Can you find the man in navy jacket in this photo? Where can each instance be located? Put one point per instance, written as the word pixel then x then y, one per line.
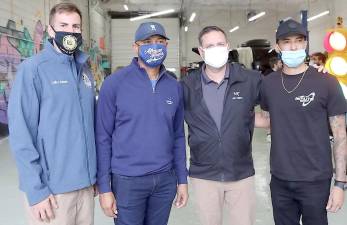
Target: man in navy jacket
pixel 140 136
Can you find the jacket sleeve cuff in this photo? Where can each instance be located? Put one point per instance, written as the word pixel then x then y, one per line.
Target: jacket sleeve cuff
pixel 104 187
pixel 38 196
pixel 182 178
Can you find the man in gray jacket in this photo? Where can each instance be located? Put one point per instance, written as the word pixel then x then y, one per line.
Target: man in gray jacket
pixel 219 103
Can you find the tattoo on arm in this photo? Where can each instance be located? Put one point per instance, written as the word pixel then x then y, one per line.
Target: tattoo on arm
pixel 338 127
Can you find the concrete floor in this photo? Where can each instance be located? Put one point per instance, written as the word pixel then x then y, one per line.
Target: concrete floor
pixel 12 212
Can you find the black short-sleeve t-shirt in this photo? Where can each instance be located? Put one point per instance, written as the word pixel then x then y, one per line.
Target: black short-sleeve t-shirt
pixel 300 146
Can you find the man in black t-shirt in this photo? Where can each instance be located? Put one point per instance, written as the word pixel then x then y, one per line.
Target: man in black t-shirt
pixel 298 99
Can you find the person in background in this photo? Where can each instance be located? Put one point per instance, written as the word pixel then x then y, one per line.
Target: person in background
pixel 318 59
pixel 275 64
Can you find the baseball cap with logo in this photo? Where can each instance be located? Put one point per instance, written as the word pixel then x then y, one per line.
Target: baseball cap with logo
pixel 288 28
pixel 148 29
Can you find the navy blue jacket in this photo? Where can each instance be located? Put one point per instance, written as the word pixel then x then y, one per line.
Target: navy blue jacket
pixel 139 129
pixel 225 154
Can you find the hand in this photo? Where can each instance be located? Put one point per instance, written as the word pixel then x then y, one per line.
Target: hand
pixel 182 195
pixel 43 211
pixel 336 199
pixel 108 204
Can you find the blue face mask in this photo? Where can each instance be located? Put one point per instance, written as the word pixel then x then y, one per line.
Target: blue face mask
pixel 293 58
pixel 153 55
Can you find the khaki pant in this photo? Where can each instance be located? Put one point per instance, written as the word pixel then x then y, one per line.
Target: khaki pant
pixel 74 208
pixel 236 198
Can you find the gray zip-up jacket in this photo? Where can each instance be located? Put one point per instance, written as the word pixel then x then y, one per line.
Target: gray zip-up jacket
pixel 224 155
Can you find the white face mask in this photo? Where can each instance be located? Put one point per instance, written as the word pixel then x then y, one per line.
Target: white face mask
pixel 216 57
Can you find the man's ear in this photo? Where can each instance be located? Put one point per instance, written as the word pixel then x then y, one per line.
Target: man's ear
pixel 50 31
pixel 201 52
pixel 277 48
pixel 136 48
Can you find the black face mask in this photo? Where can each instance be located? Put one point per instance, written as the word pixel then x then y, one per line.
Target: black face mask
pixel 67 42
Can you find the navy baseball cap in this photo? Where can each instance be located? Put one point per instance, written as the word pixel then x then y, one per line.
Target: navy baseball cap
pixel 148 29
pixel 290 27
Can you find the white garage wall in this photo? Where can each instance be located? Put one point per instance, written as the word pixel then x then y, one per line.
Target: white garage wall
pixel 123 32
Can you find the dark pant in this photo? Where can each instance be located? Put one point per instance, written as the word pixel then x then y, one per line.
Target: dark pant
pixel 144 200
pixel 292 200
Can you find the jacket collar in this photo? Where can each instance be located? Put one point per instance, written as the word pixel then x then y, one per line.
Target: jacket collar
pixel 142 71
pixel 236 74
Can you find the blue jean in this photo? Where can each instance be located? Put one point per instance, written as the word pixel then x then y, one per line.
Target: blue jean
pixel 144 200
pixel 292 200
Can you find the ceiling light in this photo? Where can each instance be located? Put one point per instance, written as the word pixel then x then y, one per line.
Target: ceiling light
pixel 256 16
pixel 192 17
pixel 126 7
pixel 234 29
pixel 152 15
pixel 186 28
pixel 318 15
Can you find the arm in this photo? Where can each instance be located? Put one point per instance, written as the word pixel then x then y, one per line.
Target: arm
pixel 180 154
pixel 23 113
pixel 338 127
pixel 179 142
pixel 262 119
pixel 104 128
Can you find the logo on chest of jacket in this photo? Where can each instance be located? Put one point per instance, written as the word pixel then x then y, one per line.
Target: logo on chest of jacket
pixel 236 96
pixel 306 100
pixel 56 82
pixel 86 80
pixel 169 101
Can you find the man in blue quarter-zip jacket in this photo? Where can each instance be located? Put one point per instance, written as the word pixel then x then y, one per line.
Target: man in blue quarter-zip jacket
pixel 140 136
pixel 51 122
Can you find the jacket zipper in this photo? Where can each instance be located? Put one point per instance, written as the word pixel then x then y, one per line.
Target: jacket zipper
pixel 78 80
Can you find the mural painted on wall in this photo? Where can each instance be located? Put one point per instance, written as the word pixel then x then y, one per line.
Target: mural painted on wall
pixel 17 45
pixel 96 60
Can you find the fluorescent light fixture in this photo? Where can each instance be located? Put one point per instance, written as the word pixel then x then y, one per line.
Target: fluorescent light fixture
pixel 126 7
pixel 256 16
pixel 152 15
pixel 318 15
pixel 171 69
pixel 234 29
pixel 186 28
pixel 192 17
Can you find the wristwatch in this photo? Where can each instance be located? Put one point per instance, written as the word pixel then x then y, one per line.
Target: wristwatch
pixel 340 184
